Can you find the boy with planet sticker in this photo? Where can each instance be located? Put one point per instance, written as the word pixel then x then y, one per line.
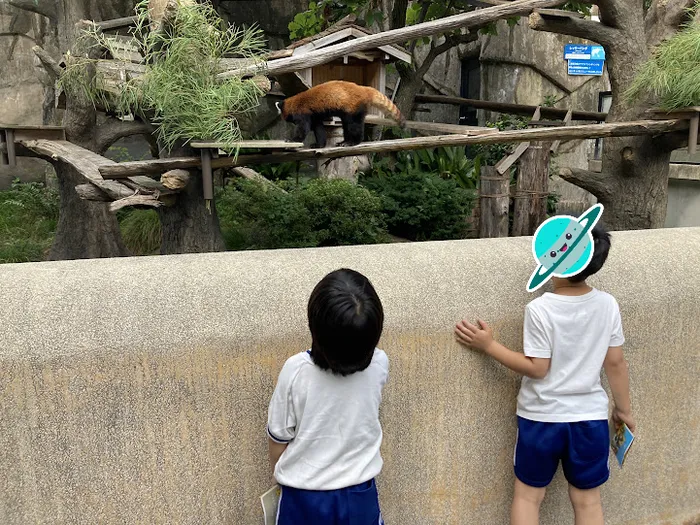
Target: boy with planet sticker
pixel 569 335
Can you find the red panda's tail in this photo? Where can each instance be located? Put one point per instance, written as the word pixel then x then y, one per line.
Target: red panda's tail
pixel 380 101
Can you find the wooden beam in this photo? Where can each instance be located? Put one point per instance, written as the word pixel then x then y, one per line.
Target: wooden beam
pixel 559 14
pixel 590 131
pixel 443 25
pixel 438 127
pixel 514 109
pixel 506 162
pixel 116 23
pixel 567 122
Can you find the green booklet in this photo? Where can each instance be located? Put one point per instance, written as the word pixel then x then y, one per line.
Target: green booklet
pixel 270 503
pixel 621 439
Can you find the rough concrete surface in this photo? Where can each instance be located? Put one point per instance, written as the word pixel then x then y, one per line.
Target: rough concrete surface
pixel 135 390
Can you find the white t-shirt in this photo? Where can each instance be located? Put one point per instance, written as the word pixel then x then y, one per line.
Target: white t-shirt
pixel 575 332
pixel 331 423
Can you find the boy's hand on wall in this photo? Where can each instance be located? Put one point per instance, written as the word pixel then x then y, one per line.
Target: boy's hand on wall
pixel 478 337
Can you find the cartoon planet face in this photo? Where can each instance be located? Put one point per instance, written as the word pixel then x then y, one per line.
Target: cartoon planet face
pixel 563 246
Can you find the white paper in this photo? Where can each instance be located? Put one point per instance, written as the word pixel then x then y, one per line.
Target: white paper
pixel 270 502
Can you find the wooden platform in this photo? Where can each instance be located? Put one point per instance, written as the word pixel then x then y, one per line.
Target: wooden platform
pixel 248 144
pixel 692 113
pixel 11 134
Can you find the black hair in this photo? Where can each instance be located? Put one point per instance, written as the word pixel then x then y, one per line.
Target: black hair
pixel 601 247
pixel 346 320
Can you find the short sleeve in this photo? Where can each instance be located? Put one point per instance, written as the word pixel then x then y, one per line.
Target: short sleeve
pixel 617 337
pixel 281 418
pixel 535 336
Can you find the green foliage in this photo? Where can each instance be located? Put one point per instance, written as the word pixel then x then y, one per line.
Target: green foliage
pixel 279 171
pixel 318 213
pixel 180 85
pixel 490 154
pixel 549 101
pixel 579 7
pixel 141 231
pixel 420 205
pixel 447 162
pixel 323 13
pixel 306 23
pixel 28 218
pixel 672 74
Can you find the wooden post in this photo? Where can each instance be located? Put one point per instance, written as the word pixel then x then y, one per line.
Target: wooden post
pixel 207 180
pixel 494 199
pixel 3 149
pixel 693 134
pixel 10 145
pixel 531 189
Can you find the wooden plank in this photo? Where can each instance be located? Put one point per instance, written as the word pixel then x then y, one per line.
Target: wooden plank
pixel 443 25
pixel 36 134
pixel 29 127
pixel 510 108
pixel 505 163
pixel 432 126
pixel 324 41
pixel 567 122
pixel 494 199
pixel 116 23
pixel 248 144
pixel 392 50
pixel 10 147
pixel 590 131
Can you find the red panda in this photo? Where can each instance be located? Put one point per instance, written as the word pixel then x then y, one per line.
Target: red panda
pixel 336 98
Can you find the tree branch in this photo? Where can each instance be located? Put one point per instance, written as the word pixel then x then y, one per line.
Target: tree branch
pixel 114 129
pixel 665 17
pixel 450 42
pixel 398 14
pixel 577 27
pixel 596 183
pixel 42 7
pixel 48 62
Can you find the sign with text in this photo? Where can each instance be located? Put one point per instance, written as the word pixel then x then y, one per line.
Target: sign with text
pixel 583 52
pixel 586 67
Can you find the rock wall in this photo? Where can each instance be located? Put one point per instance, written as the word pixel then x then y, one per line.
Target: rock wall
pixel 135 390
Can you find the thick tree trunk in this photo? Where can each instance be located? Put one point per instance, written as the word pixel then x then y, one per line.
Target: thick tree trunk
pixel 633 183
pixel 85 230
pixel 188 226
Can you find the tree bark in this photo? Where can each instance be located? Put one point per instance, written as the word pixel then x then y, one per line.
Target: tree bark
pixel 531 190
pixel 188 226
pixel 633 183
pixel 494 198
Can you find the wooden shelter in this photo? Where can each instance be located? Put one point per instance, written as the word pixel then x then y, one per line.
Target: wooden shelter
pixel 366 68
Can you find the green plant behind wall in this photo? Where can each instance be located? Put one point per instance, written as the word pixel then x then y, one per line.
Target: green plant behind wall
pixel 672 74
pixel 180 90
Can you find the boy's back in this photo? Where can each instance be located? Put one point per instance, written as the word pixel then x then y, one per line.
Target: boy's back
pixel 575 332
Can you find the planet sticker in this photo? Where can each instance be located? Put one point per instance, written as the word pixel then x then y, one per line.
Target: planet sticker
pixel 563 246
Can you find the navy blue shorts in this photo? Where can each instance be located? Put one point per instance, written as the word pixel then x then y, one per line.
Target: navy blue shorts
pixel 356 505
pixel 582 447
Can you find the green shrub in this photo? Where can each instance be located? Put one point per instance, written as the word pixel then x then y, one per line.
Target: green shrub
pixel 422 206
pixel 342 213
pixel 141 231
pixel 318 213
pixel 28 218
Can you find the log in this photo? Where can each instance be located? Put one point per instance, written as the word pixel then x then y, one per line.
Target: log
pixel 531 190
pixel 564 133
pixel 505 163
pixel 175 179
pixel 513 109
pixel 395 36
pixel 116 23
pixel 136 200
pixel 494 199
pixel 90 192
pixel 438 127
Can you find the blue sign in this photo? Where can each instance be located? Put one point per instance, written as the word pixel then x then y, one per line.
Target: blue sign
pixel 586 67
pixel 583 52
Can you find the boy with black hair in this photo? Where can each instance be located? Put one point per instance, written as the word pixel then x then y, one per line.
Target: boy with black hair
pixel 568 336
pixel 323 421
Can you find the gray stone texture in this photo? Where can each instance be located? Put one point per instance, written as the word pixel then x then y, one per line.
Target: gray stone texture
pixel 135 390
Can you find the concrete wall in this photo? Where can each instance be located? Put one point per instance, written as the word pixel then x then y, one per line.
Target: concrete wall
pixel 135 390
pixel 683 195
